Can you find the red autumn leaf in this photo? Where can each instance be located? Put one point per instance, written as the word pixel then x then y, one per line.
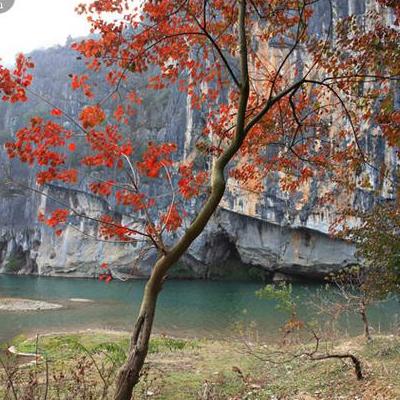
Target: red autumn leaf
pixel 172 219
pixel 111 228
pixel 107 277
pixel 92 116
pixel 56 112
pixel 102 188
pixel 57 217
pixel 81 82
pixel 127 149
pixel 119 112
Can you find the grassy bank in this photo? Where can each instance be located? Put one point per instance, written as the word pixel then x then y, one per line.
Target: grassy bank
pixel 83 366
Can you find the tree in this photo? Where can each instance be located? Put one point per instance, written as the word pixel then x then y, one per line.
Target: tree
pixel 377 241
pixel 355 289
pixel 267 114
pixel 286 301
pixel 283 295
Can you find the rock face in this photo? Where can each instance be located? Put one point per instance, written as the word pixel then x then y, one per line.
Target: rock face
pixel 231 243
pixel 33 248
pixel 298 252
pixel 267 233
pixel 20 240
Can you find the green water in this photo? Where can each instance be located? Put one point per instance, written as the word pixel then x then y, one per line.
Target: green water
pixel 192 308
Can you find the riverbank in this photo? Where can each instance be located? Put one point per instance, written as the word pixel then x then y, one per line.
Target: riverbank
pixel 182 369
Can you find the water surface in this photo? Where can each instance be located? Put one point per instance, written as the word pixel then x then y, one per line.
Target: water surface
pixel 186 308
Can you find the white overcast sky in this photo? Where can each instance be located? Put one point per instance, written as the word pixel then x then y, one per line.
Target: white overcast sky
pixel 32 24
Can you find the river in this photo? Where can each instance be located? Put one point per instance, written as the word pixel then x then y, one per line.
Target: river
pixel 186 308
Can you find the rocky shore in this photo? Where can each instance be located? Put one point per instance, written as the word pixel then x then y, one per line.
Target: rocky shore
pixel 17 304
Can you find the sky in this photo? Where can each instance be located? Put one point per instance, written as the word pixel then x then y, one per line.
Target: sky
pixel 32 24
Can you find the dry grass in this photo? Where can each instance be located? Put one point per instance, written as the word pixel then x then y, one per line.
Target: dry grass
pixel 209 370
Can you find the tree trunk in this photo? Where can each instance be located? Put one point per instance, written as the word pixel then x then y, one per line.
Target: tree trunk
pixel 363 313
pixel 355 360
pixel 129 374
pixel 357 367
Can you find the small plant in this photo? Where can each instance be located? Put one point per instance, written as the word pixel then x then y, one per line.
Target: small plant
pixel 159 344
pixel 15 263
pixel 86 372
pixel 282 293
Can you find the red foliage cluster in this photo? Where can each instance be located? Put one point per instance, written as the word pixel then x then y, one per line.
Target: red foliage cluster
pixel 105 275
pixel 57 217
pixel 92 116
pixel 156 157
pixel 37 143
pixel 249 176
pixel 55 112
pixel 102 188
pixel 107 147
pixel 13 84
pixel 172 219
pixel 190 183
pixel 81 82
pixel 112 229
pixel 136 201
